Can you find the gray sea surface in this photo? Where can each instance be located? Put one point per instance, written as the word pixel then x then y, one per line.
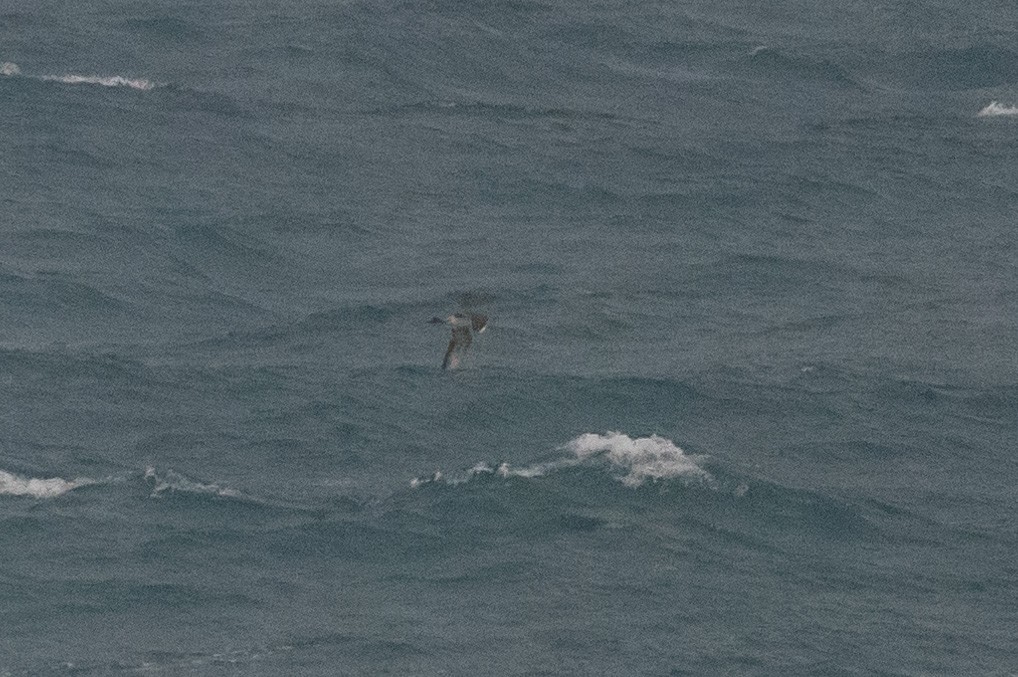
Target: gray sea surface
pixel 748 398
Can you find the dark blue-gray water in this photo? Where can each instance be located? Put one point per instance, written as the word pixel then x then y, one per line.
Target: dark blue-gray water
pixel 748 399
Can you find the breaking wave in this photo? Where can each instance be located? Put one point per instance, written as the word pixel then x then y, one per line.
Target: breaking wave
pixel 111 81
pixel 12 69
pixel 642 458
pixel 171 481
pixel 995 109
pixel 634 460
pixel 16 485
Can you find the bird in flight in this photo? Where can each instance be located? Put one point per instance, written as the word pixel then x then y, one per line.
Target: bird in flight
pixel 464 326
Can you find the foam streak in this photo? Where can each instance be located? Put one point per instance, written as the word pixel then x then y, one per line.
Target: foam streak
pixel 16 485
pixel 111 81
pixel 11 70
pixel 172 481
pixel 641 459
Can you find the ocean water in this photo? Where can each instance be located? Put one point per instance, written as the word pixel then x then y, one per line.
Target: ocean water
pixel 747 403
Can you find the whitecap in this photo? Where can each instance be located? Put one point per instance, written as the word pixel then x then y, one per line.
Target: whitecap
pixel 10 69
pixel 109 81
pixel 172 481
pixel 418 481
pixel 642 458
pixel 995 109
pixel 535 470
pixel 16 485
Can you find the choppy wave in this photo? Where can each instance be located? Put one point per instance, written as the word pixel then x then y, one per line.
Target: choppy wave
pixel 776 63
pixel 183 662
pixel 995 109
pixel 170 481
pixel 12 69
pixel 642 458
pixel 16 485
pixel 638 459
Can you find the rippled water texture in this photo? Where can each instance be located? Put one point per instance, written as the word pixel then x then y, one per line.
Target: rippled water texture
pixel 746 402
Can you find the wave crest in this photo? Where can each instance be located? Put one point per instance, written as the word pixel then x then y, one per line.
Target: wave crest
pixel 995 109
pixel 110 81
pixel 172 481
pixel 16 485
pixel 10 69
pixel 644 458
pixel 641 459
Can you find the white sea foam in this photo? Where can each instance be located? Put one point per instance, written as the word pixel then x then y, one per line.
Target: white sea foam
pixel 9 69
pixel 640 459
pixel 536 470
pixel 418 481
pixel 108 81
pixel 172 481
pixel 16 485
pixel 995 109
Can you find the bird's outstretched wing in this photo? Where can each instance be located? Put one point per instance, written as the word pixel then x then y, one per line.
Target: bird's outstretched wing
pixel 461 340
